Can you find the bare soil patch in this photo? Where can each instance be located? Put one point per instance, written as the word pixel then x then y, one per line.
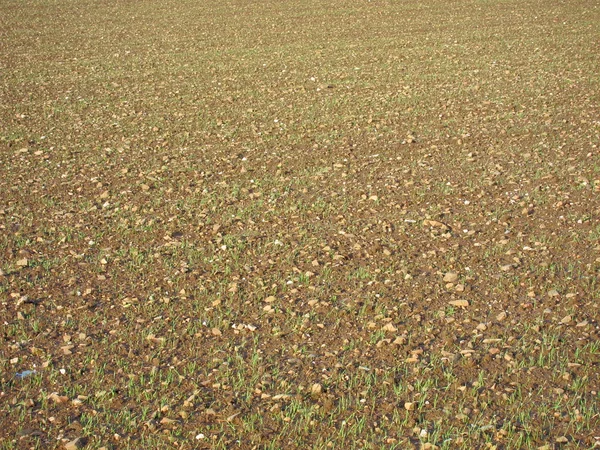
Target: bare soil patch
pixel 299 224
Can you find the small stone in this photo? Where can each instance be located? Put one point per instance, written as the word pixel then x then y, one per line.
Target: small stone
pixel 436 224
pixel 22 262
pixel 156 340
pixel 459 303
pixel 553 293
pixel 383 342
pixel 459 288
pixel 527 211
pixel 400 340
pixel 76 443
pixel 66 349
pixel 450 277
pixel 562 439
pixel 565 320
pixel 500 317
pixel 316 390
pixel 269 299
pixel 389 327
pixel 506 267
pixel 58 398
pixel 409 406
pixel 429 446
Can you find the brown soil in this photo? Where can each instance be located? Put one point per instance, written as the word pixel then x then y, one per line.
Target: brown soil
pixel 299 224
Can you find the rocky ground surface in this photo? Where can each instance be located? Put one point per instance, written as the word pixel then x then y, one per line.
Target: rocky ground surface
pixel 299 224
